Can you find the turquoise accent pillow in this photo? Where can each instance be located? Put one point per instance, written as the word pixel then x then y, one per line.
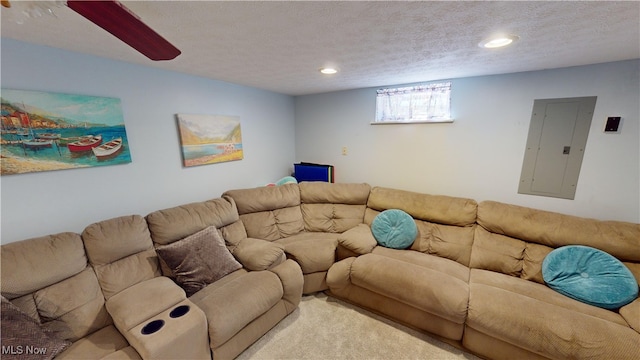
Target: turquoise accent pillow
pixel 394 229
pixel 286 180
pixel 589 275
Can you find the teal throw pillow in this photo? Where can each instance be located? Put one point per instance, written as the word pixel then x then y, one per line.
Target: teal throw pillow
pixel 394 229
pixel 589 275
pixel 286 180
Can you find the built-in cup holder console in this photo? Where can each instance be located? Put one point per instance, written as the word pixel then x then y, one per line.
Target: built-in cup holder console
pixel 179 311
pixel 152 327
pixel 155 325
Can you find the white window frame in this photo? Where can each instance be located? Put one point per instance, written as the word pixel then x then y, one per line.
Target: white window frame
pixel 426 103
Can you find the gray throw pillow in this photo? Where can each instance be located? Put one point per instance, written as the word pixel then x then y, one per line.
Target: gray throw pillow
pixel 198 260
pixel 24 338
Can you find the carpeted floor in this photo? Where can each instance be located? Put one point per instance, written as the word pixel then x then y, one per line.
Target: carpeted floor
pixel 326 328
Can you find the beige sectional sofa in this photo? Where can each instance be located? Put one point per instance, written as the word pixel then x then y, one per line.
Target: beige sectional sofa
pixel 100 290
pixel 472 276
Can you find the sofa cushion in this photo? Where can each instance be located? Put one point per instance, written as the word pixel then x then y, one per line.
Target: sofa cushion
pixel 359 240
pixel 411 281
pixel 169 225
pixel 258 254
pixel 447 241
pixel 339 279
pixel 30 265
pixel 314 252
pixel 589 275
pixel 433 208
pixel 269 212
pixel 73 307
pixel 266 198
pixel 431 262
pixel 631 313
pixel 98 345
pixel 198 260
pixel 497 252
pixel 549 326
pixel 318 192
pixel 555 230
pixel 331 207
pixel 274 224
pixel 335 218
pixel 236 300
pixel 312 256
pixel 126 353
pixel 394 229
pixel 121 251
pixel 49 280
pixel 114 239
pixel 19 330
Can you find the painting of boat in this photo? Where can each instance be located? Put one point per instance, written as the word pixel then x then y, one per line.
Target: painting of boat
pixel 48 136
pixel 108 150
pixel 45 131
pixel 64 141
pixel 85 144
pixel 37 143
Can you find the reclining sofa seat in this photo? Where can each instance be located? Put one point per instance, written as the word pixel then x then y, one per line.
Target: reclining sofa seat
pixel 512 314
pixel 247 303
pixel 425 286
pixel 135 292
pixel 50 279
pixel 305 219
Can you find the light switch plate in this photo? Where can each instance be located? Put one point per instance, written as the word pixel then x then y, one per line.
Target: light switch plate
pixel 612 125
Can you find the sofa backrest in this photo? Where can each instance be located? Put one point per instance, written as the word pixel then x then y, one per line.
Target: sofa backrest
pixel 269 212
pixel 49 279
pixel 445 224
pixel 121 252
pixel 514 240
pixel 334 208
pixel 173 224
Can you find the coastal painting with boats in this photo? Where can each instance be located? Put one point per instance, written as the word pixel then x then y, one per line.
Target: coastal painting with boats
pixel 209 139
pixel 44 131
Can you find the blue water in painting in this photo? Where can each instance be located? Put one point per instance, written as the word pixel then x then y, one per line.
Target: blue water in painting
pixel 60 153
pixel 198 151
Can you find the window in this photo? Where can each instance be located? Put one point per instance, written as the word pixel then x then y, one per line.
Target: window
pixel 422 103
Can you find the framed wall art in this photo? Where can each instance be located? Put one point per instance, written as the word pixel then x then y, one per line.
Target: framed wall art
pixel 44 131
pixel 209 139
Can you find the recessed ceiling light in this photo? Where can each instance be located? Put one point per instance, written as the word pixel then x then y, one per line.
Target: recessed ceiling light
pixel 328 71
pixel 498 41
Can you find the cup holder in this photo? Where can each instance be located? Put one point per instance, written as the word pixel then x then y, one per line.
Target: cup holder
pixel 152 327
pixel 179 311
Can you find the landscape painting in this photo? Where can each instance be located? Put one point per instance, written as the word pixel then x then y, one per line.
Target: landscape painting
pixel 209 139
pixel 44 131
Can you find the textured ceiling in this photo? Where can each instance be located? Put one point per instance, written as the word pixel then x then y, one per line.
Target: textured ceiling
pixel 280 46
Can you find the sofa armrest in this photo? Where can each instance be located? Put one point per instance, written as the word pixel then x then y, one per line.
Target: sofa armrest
pixel 292 279
pixel 358 240
pixel 142 301
pixel 258 254
pixel 159 322
pixel 631 314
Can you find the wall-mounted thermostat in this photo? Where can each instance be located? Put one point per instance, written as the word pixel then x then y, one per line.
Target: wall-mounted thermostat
pixel 612 125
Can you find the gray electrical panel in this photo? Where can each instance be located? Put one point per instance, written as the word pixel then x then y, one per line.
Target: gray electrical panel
pixel 557 138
